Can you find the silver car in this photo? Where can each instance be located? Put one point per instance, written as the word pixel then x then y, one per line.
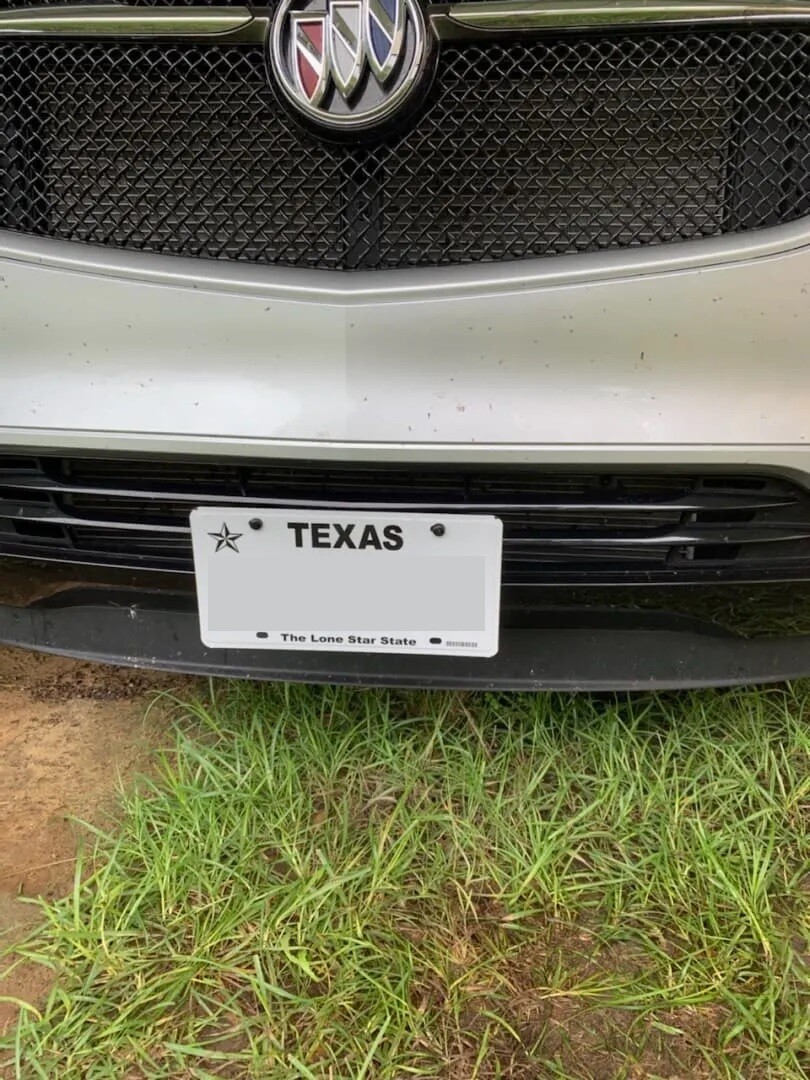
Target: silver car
pixel 371 341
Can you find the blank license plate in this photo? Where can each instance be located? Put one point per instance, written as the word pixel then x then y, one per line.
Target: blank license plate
pixel 348 582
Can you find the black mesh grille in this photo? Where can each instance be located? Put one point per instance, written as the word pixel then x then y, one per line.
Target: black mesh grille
pixel 525 149
pixel 564 527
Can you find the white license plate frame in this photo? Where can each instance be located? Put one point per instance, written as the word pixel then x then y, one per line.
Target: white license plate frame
pixel 263 574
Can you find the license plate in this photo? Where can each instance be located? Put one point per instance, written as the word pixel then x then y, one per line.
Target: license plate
pixel 348 582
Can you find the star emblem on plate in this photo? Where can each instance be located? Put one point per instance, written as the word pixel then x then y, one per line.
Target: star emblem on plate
pixel 225 539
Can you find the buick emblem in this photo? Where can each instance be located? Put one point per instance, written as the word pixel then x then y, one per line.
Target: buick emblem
pixel 351 66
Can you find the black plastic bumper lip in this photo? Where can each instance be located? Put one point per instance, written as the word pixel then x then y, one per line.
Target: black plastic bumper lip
pixel 163 633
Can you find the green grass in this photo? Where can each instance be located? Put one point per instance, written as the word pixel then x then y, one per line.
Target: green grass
pixel 339 884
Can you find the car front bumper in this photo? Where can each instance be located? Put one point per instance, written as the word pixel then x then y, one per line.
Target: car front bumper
pixel 583 639
pixel 692 355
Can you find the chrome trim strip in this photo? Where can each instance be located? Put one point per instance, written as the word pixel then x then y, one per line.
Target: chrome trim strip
pixel 453 22
pixel 17 512
pixel 115 20
pixel 491 17
pixel 695 535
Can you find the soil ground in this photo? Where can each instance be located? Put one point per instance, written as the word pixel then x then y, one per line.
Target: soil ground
pixel 68 733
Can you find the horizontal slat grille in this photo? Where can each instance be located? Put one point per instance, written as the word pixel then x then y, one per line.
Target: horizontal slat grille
pixel 558 527
pixel 525 148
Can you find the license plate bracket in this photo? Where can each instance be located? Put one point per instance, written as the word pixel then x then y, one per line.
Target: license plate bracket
pixel 348 581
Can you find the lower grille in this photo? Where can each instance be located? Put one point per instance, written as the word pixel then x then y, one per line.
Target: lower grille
pixel 559 528
pixel 574 143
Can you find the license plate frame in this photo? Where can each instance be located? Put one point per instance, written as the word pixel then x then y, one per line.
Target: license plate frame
pixel 263 574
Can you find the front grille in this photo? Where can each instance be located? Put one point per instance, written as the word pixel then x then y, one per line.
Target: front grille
pixel 563 527
pixel 525 148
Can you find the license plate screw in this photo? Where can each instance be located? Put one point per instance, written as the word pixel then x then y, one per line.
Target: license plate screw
pixel 256 523
pixel 438 529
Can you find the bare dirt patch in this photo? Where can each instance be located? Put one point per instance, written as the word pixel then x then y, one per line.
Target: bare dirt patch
pixel 68 733
pixel 571 1021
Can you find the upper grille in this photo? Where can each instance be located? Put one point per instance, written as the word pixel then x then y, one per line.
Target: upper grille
pixel 525 148
pixel 566 527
